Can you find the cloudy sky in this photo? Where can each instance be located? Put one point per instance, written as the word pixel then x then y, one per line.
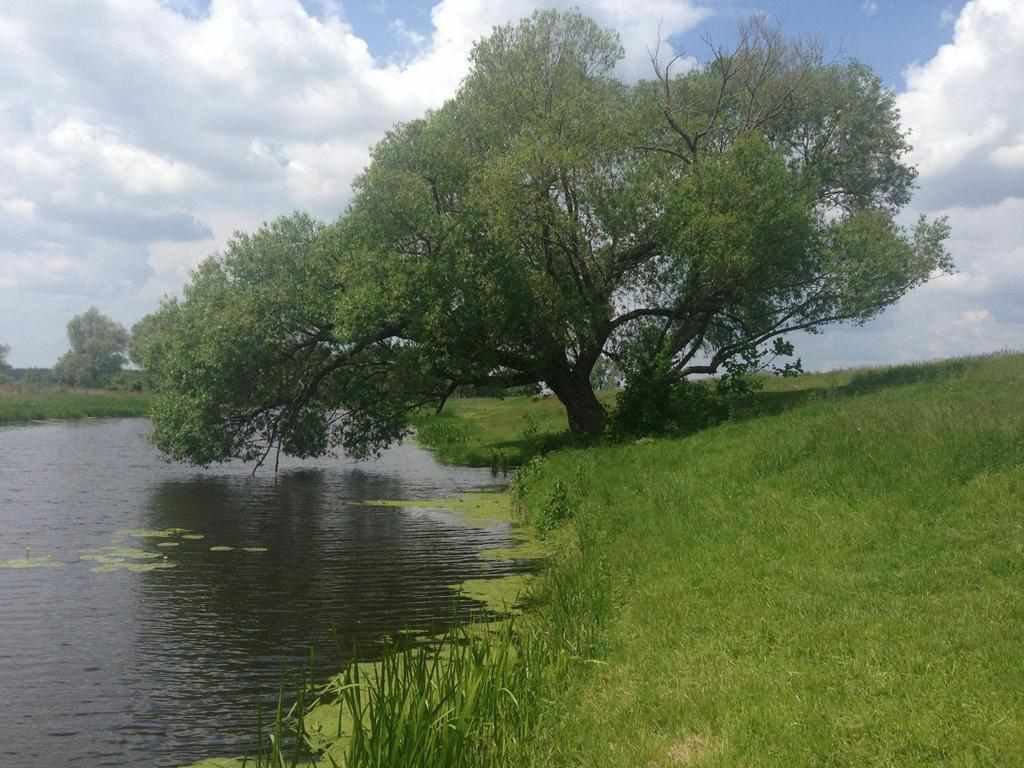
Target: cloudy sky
pixel 137 135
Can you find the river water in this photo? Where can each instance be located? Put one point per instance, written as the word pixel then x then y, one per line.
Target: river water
pixel 166 666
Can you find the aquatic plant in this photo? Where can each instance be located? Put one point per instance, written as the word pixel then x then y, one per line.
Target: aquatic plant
pixel 44 561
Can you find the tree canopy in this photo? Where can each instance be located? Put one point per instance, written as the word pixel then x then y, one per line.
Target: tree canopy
pixel 546 215
pixel 97 350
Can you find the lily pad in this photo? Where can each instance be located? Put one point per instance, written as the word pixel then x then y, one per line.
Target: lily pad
pixel 168 544
pixel 254 549
pixel 193 536
pixel 126 565
pixel 221 548
pixel 115 553
pixel 149 533
pixel 35 562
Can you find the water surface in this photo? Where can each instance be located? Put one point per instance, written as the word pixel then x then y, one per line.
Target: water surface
pixel 164 667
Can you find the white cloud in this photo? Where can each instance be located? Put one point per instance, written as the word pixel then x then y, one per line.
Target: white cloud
pixel 409 36
pixel 1010 155
pixel 19 207
pixel 966 104
pixel 136 135
pixel 133 169
pixel 966 110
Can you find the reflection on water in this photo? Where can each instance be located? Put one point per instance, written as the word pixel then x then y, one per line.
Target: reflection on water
pixel 164 667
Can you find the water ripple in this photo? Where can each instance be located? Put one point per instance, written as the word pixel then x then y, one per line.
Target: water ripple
pixel 167 666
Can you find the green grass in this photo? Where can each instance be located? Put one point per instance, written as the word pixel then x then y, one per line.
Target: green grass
pixel 838 584
pixel 21 403
pixel 834 579
pixel 488 432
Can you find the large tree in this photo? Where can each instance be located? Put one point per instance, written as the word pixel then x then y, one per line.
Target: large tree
pixel 548 214
pixel 97 350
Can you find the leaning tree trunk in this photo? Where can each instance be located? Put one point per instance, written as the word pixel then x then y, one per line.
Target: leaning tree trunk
pixel 586 414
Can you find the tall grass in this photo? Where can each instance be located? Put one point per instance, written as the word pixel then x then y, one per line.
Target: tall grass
pixel 470 699
pixel 23 403
pixel 838 583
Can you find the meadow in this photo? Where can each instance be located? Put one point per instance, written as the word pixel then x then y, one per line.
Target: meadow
pixel 24 403
pixel 837 583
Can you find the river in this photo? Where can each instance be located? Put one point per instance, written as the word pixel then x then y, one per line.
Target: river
pixel 164 663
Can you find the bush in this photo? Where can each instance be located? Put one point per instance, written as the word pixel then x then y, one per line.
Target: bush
pixel 655 402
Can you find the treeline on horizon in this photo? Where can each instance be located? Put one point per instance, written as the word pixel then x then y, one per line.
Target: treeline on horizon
pixel 99 350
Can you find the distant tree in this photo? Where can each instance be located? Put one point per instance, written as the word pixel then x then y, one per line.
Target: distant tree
pixel 97 350
pixel 5 367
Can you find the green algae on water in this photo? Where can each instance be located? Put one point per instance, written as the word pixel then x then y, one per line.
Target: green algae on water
pixel 149 533
pixel 477 508
pixel 168 544
pixel 193 536
pixel 221 548
pixel 116 553
pixel 131 559
pixel 504 593
pixel 43 561
pixel 127 565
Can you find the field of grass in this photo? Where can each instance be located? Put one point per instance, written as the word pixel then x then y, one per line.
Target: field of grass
pixel 838 584
pixel 21 403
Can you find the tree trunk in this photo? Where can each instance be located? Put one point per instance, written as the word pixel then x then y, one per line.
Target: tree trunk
pixel 586 414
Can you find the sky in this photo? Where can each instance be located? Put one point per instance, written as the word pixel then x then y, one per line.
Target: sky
pixel 137 135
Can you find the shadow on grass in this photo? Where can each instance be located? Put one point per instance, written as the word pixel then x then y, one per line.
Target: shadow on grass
pixel 505 455
pixel 770 403
pixel 870 380
pixel 455 441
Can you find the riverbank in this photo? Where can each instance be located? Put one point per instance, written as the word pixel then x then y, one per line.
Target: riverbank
pixel 24 403
pixel 835 578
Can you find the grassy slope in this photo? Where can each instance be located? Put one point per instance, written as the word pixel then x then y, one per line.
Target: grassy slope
pixel 482 432
pixel 19 404
pixel 838 584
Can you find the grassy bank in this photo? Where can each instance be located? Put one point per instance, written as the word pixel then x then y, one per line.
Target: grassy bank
pixel 488 432
pixel 21 403
pixel 834 579
pixel 840 584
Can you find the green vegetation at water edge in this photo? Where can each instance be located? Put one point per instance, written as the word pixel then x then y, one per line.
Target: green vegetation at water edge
pixel 835 581
pixel 485 509
pixel 487 432
pixel 26 403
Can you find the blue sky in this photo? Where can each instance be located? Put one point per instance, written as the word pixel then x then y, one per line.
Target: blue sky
pixel 137 135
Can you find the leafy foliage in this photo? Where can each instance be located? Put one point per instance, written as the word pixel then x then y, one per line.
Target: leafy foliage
pixel 547 216
pixel 257 357
pixel 97 350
